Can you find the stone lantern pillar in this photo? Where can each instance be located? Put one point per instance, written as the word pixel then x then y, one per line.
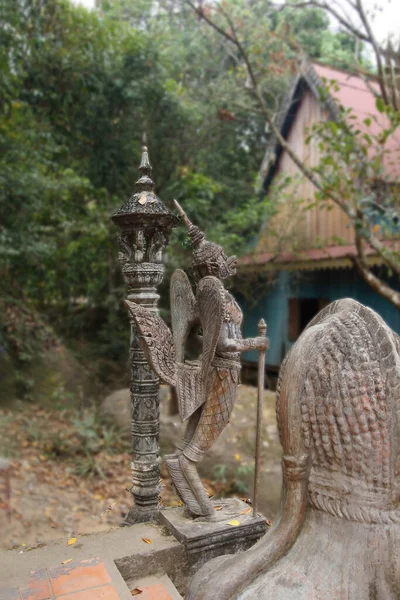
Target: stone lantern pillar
pixel 145 225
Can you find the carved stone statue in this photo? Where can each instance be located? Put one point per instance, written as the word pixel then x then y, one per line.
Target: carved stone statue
pixel 337 536
pixel 206 388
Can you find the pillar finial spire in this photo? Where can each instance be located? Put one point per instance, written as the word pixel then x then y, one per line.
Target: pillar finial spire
pixel 145 183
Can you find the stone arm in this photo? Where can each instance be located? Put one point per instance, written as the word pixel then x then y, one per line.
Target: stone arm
pixel 227 344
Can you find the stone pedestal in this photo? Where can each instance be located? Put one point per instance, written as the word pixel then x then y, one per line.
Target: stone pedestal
pixel 204 539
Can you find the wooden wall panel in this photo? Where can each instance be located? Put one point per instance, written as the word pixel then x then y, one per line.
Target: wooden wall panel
pixel 315 226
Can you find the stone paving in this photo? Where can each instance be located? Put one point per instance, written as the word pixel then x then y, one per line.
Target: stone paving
pixel 91 574
pixel 86 580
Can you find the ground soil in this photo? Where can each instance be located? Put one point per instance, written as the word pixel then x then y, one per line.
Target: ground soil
pixel 47 492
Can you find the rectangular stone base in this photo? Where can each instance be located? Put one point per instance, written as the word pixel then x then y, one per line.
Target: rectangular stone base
pixel 215 537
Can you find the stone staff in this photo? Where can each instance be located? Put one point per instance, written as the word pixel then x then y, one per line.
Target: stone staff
pixel 262 330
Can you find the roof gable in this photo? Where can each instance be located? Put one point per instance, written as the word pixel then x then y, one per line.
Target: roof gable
pixel 351 92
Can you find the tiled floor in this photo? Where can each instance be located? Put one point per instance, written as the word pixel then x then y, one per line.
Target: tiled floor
pixel 84 580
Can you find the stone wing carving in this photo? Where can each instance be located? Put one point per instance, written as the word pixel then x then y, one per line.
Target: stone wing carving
pixel 156 341
pixel 189 389
pixel 211 304
pixel 184 311
pixel 193 377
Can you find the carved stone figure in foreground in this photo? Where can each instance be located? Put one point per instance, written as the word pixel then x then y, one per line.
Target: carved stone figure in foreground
pixel 337 536
pixel 206 388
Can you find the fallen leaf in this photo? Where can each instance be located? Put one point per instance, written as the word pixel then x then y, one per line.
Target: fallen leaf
pixel 64 562
pixel 237 457
pixel 246 511
pixel 136 592
pixel 143 199
pixel 217 507
pixel 147 541
pixel 234 523
pixel 71 541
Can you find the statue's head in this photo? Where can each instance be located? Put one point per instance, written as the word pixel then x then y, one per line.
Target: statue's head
pixel 349 403
pixel 208 258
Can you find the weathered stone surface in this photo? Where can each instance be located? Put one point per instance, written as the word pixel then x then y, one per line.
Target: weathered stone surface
pixel 337 536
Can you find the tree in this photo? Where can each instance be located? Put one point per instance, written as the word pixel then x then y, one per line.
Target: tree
pixel 77 89
pixel 351 173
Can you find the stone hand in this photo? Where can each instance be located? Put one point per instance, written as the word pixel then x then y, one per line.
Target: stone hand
pixel 261 343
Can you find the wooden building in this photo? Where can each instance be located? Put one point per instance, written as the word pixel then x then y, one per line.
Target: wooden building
pixel 308 250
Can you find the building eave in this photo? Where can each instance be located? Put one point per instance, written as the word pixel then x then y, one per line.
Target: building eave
pixel 330 257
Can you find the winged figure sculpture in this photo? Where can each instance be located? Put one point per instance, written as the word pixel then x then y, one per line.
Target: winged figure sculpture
pixel 206 388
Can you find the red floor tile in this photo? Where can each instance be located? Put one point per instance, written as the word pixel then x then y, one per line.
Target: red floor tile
pixel 105 592
pixel 38 587
pixel 87 573
pixel 153 592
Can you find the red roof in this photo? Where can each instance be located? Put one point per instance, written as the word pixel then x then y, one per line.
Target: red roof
pixel 356 94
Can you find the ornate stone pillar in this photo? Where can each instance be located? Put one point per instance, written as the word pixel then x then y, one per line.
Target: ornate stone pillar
pixel 145 225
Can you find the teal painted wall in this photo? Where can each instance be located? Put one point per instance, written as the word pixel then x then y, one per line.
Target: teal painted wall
pixel 327 283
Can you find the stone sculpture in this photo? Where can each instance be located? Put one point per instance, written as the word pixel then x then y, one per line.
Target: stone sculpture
pixel 206 388
pixel 338 532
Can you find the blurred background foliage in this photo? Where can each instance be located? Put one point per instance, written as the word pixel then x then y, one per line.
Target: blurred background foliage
pixel 78 89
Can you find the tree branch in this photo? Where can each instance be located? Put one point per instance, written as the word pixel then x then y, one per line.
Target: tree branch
pixel 232 37
pixel 329 8
pixel 372 280
pixel 377 50
pixel 382 250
